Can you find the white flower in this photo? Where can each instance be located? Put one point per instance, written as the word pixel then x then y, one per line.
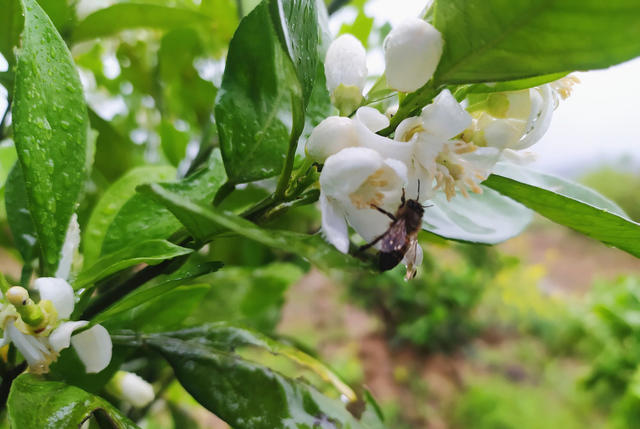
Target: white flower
pixel 352 182
pixel 439 160
pixel 131 388
pixel 345 68
pixel 412 52
pixel 336 133
pixel 40 339
pixel 331 136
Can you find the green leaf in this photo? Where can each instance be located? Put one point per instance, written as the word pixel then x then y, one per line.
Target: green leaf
pixel 487 218
pixel 568 204
pixel 229 338
pixel 296 22
pixel 50 130
pixel 20 222
pixel 112 201
pixel 36 403
pixel 164 312
pixel 141 218
pixel 267 83
pixel 124 16
pixel 510 85
pixel 10 29
pixel 256 101
pixel 246 394
pixel 187 274
pixel 205 221
pixel 151 252
pixel 494 40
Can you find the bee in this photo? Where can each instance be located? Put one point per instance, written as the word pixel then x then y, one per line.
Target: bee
pixel 401 238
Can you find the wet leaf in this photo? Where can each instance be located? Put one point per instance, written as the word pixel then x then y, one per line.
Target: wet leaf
pixel 245 394
pixel 530 37
pixel 18 216
pixel 142 218
pixel 187 275
pixel 151 252
pixel 205 221
pixel 568 204
pixel 112 201
pixel 260 115
pixel 36 403
pixel 164 312
pixel 50 130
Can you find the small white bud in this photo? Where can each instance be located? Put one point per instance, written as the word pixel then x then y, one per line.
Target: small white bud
pixel 18 296
pixel 412 52
pixel 131 388
pixel 345 68
pixel 331 136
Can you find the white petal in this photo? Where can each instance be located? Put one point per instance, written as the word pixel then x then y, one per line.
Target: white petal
pixel 427 148
pixel 482 159
pixel 60 338
pixel 541 120
pixel 408 128
pixel 69 247
pixel 59 292
pixel 334 225
pixel 517 157
pixel 386 147
pixel 445 117
pixel 399 168
pixel 412 52
pixel 345 171
pixel 519 104
pixel 31 349
pixel 346 63
pixel 331 136
pixel 503 133
pixel 136 390
pixel 93 347
pixel 372 118
pixel 370 223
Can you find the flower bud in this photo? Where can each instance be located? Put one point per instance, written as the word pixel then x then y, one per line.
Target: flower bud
pixel 345 67
pixel 131 388
pixel 412 52
pixel 331 136
pixel 29 311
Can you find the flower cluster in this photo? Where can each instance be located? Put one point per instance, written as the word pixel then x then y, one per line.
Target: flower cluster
pixel 40 331
pixel 450 147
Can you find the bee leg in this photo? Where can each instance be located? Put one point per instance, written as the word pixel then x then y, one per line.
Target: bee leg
pixel 384 212
pixel 373 243
pixel 403 199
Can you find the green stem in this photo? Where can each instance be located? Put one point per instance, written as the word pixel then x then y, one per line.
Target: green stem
pixel 412 102
pixel 239 9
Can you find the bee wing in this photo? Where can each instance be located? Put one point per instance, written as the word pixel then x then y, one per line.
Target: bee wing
pixel 395 238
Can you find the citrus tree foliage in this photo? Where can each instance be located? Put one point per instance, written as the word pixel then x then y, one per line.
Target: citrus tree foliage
pixel 160 164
